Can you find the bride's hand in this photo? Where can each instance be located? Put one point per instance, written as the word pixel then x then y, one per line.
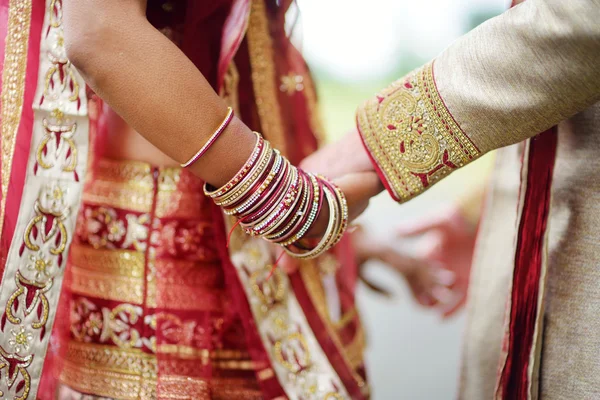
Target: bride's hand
pixel 347 164
pixel 358 189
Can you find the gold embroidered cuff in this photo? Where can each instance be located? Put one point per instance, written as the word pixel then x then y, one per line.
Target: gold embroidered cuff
pixel 412 138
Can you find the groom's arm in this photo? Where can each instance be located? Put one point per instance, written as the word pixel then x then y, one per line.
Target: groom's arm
pixel 515 76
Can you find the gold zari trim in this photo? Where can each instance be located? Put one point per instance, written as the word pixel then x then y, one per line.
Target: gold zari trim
pixel 35 262
pixel 126 263
pixel 132 374
pixel 13 87
pixel 412 136
pixel 264 75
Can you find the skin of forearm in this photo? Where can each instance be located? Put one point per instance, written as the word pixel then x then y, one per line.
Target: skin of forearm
pixel 152 85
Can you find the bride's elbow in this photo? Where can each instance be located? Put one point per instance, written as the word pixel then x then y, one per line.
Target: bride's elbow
pixel 83 42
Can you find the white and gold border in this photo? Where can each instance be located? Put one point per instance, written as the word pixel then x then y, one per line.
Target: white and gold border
pixel 37 257
pixel 298 361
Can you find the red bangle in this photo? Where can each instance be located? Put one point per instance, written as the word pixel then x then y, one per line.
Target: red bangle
pixel 212 139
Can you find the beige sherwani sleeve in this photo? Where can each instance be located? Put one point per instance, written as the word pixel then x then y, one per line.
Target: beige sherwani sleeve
pixel 513 77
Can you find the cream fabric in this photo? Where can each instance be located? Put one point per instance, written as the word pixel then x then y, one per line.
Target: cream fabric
pixel 523 72
pixel 491 275
pixel 571 347
pixel 570 366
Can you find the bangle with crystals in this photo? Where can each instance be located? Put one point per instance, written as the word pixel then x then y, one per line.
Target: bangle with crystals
pixel 258 212
pixel 274 200
pixel 230 197
pixel 310 216
pixel 300 215
pixel 295 212
pixel 330 232
pixel 344 210
pixel 257 192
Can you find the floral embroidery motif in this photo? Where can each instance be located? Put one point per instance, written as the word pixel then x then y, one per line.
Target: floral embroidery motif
pixel 57 144
pixel 47 228
pixel 291 84
pixel 21 339
pixel 412 136
pixel 40 264
pixel 293 352
pixel 13 366
pixel 29 296
pixel 104 227
pixel 119 326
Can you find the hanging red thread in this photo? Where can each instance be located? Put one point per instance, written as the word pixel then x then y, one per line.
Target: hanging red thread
pixel 275 265
pixel 239 221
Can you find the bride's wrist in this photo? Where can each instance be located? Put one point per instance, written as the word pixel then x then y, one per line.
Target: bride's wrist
pixel 227 155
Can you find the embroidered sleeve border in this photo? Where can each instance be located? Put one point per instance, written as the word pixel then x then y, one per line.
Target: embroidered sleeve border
pixel 411 137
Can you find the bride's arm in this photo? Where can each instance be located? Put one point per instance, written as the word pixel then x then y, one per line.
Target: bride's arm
pixel 148 80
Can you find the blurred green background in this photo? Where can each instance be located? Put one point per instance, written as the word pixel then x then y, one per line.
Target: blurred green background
pixel 339 98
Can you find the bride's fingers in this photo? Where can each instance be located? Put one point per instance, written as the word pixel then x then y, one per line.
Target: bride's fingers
pixel 358 189
pixel 449 312
pixel 375 287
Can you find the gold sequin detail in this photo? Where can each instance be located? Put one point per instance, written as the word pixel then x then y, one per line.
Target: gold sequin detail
pixel 13 87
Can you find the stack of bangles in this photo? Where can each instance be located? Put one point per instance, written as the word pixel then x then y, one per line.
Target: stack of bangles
pixel 279 202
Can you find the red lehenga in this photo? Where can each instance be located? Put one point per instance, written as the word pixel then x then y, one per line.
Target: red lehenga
pixel 117 282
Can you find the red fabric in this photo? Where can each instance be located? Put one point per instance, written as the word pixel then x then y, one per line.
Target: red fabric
pixel 271 387
pixel 233 33
pixel 514 380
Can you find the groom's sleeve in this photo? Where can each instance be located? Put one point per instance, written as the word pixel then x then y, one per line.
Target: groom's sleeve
pixel 513 77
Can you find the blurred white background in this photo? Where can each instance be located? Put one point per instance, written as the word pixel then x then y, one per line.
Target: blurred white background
pixel 355 48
